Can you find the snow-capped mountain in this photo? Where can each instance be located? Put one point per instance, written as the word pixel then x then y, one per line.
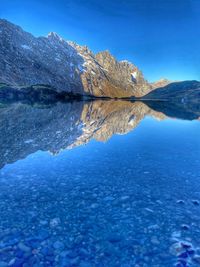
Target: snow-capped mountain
pixel 66 66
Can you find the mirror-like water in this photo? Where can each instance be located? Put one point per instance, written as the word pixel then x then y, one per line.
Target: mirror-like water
pixel 104 183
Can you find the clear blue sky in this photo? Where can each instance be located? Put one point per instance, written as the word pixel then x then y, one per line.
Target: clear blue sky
pixel 162 37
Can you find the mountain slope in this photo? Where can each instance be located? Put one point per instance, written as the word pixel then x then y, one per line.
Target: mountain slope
pixel 66 66
pixel 177 91
pixel 160 83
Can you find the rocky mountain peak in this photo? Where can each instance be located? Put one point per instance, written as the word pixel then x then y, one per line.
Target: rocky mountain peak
pixel 106 60
pixel 160 83
pixel 4 22
pixel 54 35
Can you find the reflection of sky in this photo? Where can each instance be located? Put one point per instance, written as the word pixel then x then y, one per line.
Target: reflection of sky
pixel 161 37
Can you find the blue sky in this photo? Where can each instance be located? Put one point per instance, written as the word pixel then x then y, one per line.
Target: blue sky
pixel 162 37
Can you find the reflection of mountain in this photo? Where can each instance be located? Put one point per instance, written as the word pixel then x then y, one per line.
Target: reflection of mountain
pixel 102 119
pixel 26 129
pixel 176 109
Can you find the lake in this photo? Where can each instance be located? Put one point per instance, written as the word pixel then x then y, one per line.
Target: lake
pixel 100 183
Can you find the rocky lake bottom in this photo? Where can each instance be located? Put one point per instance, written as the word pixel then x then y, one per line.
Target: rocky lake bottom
pixel 131 200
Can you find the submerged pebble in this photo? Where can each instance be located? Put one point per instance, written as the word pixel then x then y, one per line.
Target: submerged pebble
pixel 23 247
pixel 54 222
pixel 180 201
pixel 58 245
pixel 65 211
pixel 185 227
pixel 195 202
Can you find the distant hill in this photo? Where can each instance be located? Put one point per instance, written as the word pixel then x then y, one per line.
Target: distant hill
pixel 182 91
pixel 160 83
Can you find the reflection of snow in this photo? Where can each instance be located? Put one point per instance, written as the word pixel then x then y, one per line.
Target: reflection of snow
pixel 26 47
pixel 28 141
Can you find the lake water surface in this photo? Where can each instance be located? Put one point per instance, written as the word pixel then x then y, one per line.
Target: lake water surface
pixel 104 183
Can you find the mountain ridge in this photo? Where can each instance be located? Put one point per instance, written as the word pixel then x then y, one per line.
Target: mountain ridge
pixel 185 91
pixel 66 66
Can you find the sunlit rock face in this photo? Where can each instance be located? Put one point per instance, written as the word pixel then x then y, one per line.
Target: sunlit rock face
pixel 113 78
pixel 66 66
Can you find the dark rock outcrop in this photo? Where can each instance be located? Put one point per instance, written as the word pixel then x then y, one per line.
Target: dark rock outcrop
pixel 34 94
